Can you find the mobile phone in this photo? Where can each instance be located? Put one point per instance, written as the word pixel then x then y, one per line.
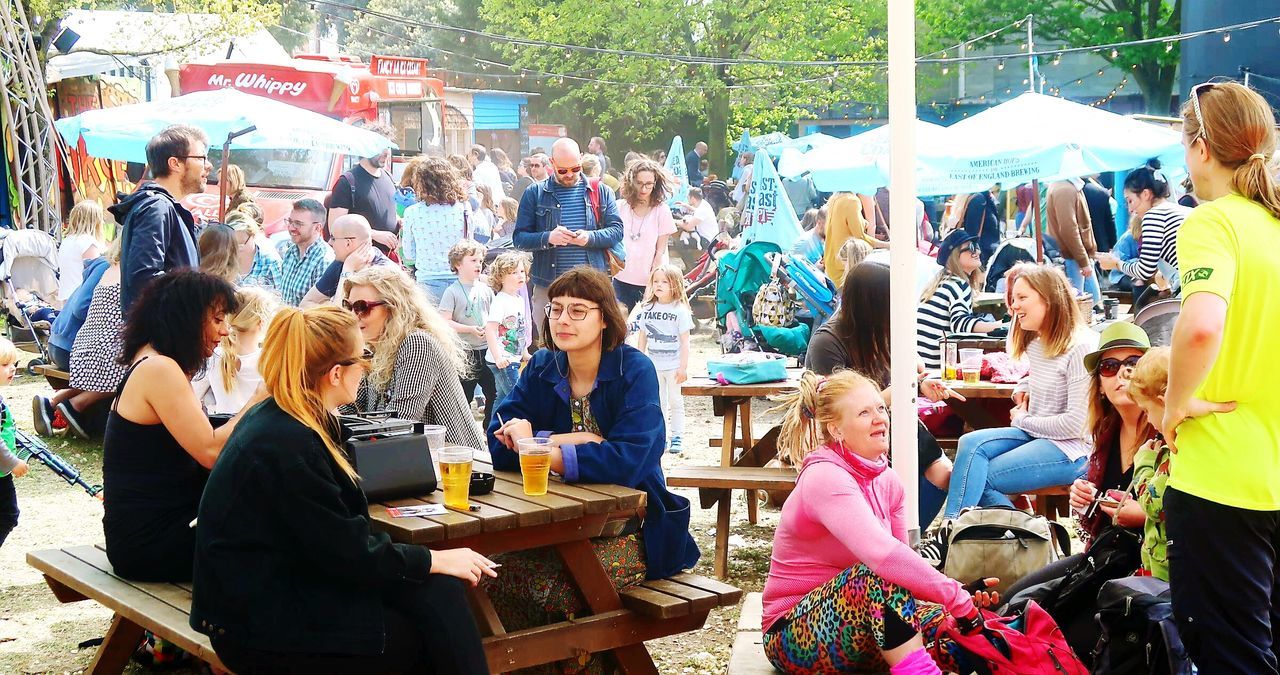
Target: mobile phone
pixel 1107 501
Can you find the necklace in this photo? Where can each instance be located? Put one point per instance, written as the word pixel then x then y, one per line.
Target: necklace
pixel 634 234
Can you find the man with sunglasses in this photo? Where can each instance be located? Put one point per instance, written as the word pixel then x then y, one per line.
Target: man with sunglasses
pixel 533 169
pixel 158 233
pixel 565 221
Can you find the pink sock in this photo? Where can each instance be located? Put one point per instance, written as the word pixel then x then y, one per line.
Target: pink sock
pixel 917 663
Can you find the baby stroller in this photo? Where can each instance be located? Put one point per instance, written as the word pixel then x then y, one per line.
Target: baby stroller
pixel 717 195
pixel 28 261
pixel 816 291
pixel 1011 252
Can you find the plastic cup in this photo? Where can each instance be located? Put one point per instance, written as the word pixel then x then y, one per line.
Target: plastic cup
pixel 535 464
pixel 973 356
pixel 435 436
pixel 455 474
pixel 972 375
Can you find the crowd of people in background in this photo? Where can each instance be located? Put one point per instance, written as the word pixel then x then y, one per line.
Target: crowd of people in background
pixel 212 357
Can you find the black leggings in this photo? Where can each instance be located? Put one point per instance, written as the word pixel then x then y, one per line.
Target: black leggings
pixel 481 375
pixel 429 629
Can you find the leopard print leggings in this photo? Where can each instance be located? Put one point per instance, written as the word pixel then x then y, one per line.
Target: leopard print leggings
pixel 839 627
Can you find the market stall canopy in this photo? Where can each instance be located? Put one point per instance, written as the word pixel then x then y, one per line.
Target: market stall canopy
pixel 855 164
pixel 1040 137
pixel 802 144
pixel 122 133
pixel 109 39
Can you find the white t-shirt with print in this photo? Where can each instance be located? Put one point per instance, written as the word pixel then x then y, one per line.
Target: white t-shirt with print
pixel 662 326
pixel 507 311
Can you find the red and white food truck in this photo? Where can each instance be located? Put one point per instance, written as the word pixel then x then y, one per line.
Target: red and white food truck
pixel 400 91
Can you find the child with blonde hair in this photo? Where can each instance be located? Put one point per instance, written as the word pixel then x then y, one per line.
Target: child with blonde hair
pixel 82 240
pixel 507 320
pixel 663 322
pixel 231 375
pixel 11 465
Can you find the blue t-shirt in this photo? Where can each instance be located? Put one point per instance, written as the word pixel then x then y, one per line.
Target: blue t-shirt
pixel 573 215
pixel 328 282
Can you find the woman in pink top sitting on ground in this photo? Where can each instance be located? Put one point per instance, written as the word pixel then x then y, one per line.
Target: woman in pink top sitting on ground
pixel 846 593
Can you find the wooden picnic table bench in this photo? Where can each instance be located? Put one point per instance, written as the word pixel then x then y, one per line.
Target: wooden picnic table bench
pixel 58 379
pixel 567 518
pixel 715 485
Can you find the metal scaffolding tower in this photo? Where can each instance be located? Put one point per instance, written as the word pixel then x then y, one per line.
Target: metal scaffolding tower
pixel 26 123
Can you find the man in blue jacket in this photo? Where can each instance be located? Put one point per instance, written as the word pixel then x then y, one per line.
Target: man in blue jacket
pixel 158 233
pixel 562 225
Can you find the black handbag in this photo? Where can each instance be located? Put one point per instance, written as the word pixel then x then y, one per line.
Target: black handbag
pixel 390 455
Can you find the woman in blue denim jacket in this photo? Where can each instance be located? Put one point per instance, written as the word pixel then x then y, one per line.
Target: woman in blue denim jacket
pixel 597 399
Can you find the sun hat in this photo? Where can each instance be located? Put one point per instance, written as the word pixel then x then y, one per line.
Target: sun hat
pixel 1117 335
pixel 953 241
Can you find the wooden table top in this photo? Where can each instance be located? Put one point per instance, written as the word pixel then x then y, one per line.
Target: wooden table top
pixel 706 386
pixel 508 508
pixel 983 389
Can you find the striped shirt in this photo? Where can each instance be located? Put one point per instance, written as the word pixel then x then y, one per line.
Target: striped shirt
pixel 573 215
pixel 265 273
pixel 1158 244
pixel 1058 395
pixel 300 272
pixel 948 310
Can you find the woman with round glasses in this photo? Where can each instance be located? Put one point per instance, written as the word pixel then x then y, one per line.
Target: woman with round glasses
pixel 646 226
pixel 596 398
pixel 946 306
pixel 416 357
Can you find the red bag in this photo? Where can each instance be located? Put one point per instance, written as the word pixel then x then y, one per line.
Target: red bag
pixel 1039 648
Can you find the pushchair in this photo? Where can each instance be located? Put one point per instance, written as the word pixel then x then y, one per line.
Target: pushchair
pixel 816 291
pixel 717 195
pixel 28 261
pixel 1011 252
pixel 740 276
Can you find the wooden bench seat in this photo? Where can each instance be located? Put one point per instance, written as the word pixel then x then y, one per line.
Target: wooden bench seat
pixel 83 573
pixel 1051 502
pixel 58 379
pixel 747 657
pixel 650 610
pixel 715 488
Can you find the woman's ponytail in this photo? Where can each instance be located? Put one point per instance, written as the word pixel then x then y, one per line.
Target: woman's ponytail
pixel 1255 180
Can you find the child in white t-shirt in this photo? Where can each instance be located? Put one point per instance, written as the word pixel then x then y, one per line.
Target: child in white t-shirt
pixel 506 321
pixel 231 375
pixel 664 321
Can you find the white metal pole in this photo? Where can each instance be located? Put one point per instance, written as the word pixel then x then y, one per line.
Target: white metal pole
pixel 1031 49
pixel 902 250
pixel 964 50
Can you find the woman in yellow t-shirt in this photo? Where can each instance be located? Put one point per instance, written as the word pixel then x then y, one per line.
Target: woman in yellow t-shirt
pixel 845 221
pixel 1222 502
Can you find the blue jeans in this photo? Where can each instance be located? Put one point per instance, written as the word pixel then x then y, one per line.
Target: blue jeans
pixel 435 288
pixel 1082 284
pixel 504 380
pixel 992 463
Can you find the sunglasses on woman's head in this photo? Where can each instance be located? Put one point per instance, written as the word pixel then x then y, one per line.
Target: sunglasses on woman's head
pixel 1203 131
pixel 1109 367
pixel 362 308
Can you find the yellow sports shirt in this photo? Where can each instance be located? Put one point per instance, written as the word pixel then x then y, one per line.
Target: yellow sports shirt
pixel 1231 247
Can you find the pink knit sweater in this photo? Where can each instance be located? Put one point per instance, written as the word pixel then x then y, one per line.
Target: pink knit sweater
pixel 847 510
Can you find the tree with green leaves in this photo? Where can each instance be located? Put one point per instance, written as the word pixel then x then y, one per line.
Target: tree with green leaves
pixel 646 97
pixel 1079 23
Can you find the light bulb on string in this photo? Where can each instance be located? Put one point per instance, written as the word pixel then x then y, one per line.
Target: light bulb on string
pixel 1114 53
pixel 945 70
pixel 1000 65
pixel 1057 59
pixel 462 38
pixel 1226 37
pixel 1168 47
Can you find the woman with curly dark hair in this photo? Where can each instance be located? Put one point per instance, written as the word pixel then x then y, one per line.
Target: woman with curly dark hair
pixel 159 445
pixel 434 224
pixel 646 226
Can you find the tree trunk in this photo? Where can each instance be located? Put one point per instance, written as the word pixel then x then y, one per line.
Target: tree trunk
pixel 1157 89
pixel 717 131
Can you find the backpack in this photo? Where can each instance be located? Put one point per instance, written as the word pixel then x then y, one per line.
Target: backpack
pixel 775 302
pixel 616 255
pixel 1001 542
pixel 1028 644
pixel 1138 632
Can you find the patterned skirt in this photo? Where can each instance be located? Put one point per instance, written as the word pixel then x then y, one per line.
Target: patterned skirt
pixel 533 589
pixel 839 627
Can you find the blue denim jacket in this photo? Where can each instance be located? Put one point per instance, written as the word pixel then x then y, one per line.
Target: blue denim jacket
pixel 539 214
pixel 625 405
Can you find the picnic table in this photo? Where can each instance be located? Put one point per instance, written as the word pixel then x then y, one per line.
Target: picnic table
pixel 566 518
pixel 732 402
pixel 976 410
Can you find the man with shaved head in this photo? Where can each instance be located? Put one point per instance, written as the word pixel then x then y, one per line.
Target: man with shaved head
pixel 693 164
pixel 565 221
pixel 353 250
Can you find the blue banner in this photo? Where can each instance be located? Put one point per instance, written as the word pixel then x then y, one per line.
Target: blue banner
pixel 676 167
pixel 769 214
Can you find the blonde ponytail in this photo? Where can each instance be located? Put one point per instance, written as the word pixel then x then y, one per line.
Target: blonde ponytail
pixel 1255 181
pixel 257 306
pixel 301 346
pixel 808 410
